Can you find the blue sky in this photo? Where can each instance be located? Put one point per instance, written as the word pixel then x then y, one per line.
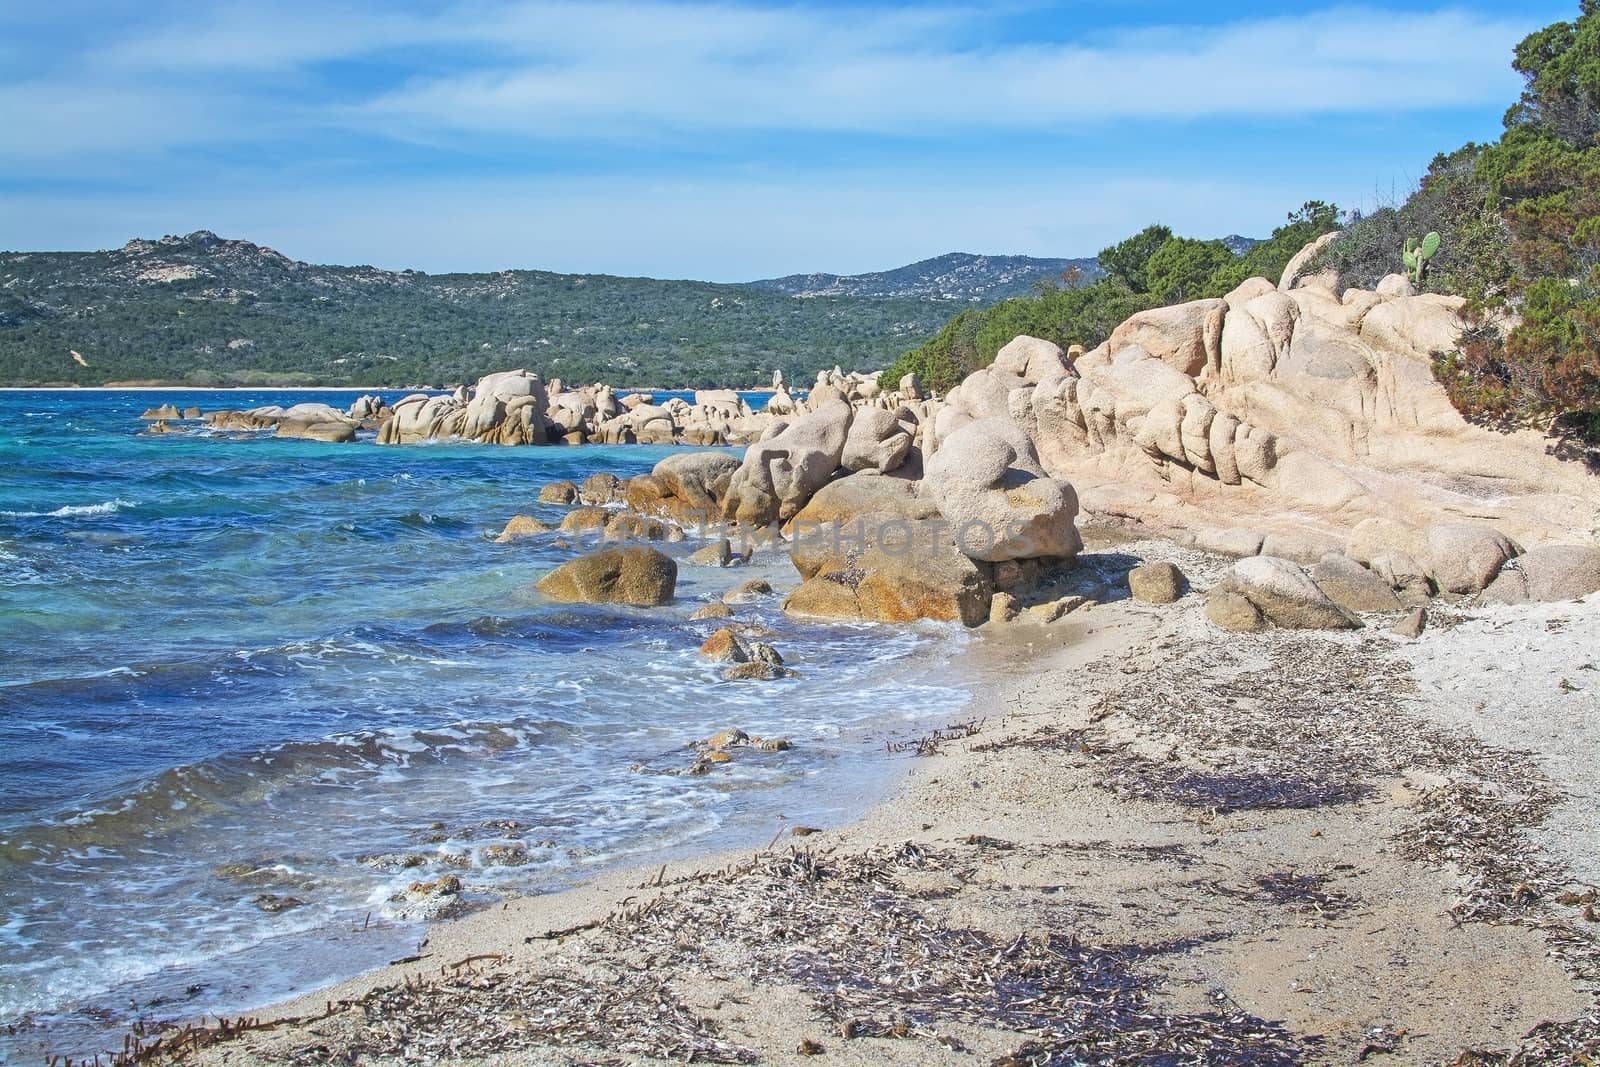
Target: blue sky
pixel 723 140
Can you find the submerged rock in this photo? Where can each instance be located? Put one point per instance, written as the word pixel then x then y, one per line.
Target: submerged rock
pixel 520 526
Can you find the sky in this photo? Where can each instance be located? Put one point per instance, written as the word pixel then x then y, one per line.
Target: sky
pixel 725 140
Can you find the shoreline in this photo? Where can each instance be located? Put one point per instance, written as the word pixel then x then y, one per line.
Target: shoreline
pixel 1252 870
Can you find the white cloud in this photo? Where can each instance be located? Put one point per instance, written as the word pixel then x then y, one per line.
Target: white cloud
pixel 614 71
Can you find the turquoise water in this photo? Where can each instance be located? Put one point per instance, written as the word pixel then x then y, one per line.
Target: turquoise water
pixel 239 666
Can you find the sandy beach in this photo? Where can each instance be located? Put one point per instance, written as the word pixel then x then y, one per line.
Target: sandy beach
pixel 1145 841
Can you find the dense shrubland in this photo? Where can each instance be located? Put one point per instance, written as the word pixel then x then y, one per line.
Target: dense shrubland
pixel 1519 222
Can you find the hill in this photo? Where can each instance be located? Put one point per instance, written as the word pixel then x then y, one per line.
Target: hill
pixel 203 310
pixel 955 276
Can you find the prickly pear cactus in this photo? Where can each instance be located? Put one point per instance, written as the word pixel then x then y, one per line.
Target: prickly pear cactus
pixel 1417 253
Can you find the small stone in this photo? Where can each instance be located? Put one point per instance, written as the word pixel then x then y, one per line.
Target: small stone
pixel 754 589
pixel 727 739
pixel 272 903
pixel 1156 583
pixel 773 744
pixel 725 646
pixel 1411 624
pixel 756 671
pixel 1233 612
pixel 717 756
pixel 717 555
pixel 711 611
pixel 1002 608
pixel 502 856
pixel 558 493
pixel 582 519
pixel 520 526
pixel 1056 609
pixel 765 653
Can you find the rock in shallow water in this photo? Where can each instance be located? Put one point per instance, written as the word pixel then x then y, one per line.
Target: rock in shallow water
pixel 639 576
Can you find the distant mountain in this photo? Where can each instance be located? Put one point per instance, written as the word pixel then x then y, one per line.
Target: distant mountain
pixel 955 276
pixel 204 310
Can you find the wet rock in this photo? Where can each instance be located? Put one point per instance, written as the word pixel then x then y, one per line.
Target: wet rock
pixel 558 493
pixel 600 488
pixel 191 412
pixel 520 526
pixel 716 555
pixel 503 856
pixel 772 744
pixel 164 413
pixel 711 611
pixel 332 431
pixel 727 738
pixel 748 592
pixel 758 671
pixel 439 899
pixel 1156 583
pixel 637 575
pixel 725 646
pixel 580 519
pixel 393 861
pixel 631 526
pixel 273 903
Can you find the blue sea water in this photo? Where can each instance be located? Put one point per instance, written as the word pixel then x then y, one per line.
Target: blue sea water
pixel 237 666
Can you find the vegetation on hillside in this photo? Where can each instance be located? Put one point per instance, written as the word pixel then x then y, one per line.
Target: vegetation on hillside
pixel 1519 222
pixel 205 311
pixel 1149 269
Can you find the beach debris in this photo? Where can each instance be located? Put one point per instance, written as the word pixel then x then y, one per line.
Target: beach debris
pixel 928 744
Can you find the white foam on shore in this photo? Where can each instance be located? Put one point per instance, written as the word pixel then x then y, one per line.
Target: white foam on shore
pixel 72 511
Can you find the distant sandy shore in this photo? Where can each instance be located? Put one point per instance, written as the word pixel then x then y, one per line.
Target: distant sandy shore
pixel 1152 838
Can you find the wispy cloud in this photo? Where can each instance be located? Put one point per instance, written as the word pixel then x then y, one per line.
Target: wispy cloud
pixel 723 138
pixel 619 69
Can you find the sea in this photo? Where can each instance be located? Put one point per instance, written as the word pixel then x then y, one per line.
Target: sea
pixel 251 689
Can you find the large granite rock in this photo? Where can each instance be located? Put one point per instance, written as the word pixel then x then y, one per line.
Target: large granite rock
pixel 1352 586
pixel 987 482
pixel 1547 573
pixel 779 474
pixel 1282 592
pixel 699 479
pixel 900 570
pixel 635 575
pixel 864 494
